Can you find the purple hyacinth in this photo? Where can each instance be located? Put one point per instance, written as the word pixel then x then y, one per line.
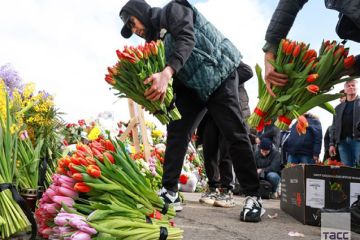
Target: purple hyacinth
pixel 11 78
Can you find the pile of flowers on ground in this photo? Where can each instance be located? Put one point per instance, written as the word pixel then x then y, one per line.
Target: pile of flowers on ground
pixel 101 183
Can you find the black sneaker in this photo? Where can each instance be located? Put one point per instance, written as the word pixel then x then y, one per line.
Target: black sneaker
pixel 172 198
pixel 252 210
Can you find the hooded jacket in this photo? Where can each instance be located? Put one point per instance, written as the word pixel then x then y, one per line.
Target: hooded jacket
pixel 200 55
pixel 270 163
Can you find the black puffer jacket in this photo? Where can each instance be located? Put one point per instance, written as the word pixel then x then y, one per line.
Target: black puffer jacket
pixel 348 26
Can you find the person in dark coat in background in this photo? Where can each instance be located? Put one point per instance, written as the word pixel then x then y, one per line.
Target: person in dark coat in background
pixel 328 138
pixel 268 163
pixel 270 131
pixel 305 148
pixel 344 133
pixel 203 64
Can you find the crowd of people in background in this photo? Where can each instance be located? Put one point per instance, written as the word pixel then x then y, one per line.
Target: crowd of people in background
pixel 274 149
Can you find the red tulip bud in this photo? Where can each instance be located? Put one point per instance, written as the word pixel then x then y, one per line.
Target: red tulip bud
pixel 77 176
pixel 285 46
pixel 110 80
pixel 313 88
pixel 290 48
pixel 82 187
pixel 93 171
pixel 296 51
pixel 312 77
pixel 349 62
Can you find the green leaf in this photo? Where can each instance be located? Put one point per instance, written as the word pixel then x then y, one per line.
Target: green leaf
pixel 283 98
pixel 328 107
pixel 288 68
pixel 261 84
pixel 317 101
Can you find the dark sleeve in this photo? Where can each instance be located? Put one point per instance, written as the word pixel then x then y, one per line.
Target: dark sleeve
pixel 357 64
pixel 282 21
pixel 275 165
pixel 317 138
pixel 332 132
pixel 180 23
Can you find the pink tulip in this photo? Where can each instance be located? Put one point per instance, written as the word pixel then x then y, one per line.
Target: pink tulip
pixel 55 178
pixel 45 230
pixel 66 179
pixel 65 230
pixel 66 200
pixel 79 235
pixel 68 192
pixel 50 192
pixel 60 220
pixel 77 223
pixel 51 207
pixel 88 230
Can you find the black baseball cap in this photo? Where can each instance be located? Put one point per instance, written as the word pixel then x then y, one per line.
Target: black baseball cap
pixel 125 31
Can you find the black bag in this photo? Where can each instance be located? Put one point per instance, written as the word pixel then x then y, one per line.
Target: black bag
pixel 265 189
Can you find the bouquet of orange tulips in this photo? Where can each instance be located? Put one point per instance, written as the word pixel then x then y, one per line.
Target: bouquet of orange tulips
pixel 129 73
pixel 310 77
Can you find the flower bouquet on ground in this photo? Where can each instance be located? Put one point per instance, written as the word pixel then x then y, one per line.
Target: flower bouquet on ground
pixel 103 195
pixel 129 73
pixel 12 218
pixel 310 77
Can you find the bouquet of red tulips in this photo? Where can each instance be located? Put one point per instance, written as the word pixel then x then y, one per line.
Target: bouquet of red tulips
pixel 310 77
pixel 129 73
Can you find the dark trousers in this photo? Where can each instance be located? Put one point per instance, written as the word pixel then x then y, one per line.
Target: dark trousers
pixel 217 161
pixel 223 106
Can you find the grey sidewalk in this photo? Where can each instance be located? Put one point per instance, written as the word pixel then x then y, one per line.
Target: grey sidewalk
pixel 203 222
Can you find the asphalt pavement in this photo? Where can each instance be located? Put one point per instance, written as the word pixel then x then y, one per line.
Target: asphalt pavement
pixel 204 222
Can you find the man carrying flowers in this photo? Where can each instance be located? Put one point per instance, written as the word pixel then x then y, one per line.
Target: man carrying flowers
pixel 348 27
pixel 203 64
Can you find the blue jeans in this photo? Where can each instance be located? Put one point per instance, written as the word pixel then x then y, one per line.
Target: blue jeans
pixel 299 158
pixel 349 150
pixel 274 179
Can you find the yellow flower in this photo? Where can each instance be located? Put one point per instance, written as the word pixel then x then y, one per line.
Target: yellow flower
pixel 28 90
pixel 132 149
pixel 156 133
pixel 94 133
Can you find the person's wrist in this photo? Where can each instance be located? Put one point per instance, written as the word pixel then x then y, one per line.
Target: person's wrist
pixel 269 56
pixel 169 72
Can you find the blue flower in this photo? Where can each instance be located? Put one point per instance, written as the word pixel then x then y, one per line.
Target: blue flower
pixel 11 78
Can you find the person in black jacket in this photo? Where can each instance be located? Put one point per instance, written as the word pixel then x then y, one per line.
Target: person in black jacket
pixel 203 64
pixel 345 134
pixel 268 163
pixel 348 27
pixel 305 148
pixel 328 138
pixel 217 160
pixel 270 131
